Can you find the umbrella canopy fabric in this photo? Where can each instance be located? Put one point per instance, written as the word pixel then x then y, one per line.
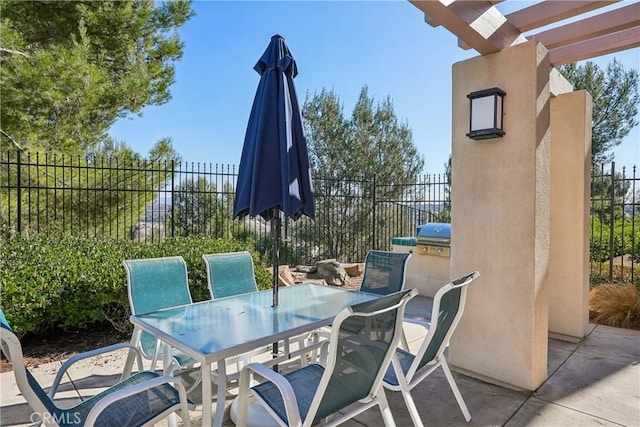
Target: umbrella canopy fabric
pixel 274 170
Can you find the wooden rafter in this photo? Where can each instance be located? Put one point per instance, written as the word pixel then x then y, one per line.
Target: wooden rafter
pixel 478 24
pixel 549 12
pixel 481 26
pixel 596 26
pixel 610 43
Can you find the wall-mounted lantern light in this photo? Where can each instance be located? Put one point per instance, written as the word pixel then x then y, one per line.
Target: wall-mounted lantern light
pixel 486 113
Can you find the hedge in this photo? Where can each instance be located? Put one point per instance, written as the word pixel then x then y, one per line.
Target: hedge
pixel 51 283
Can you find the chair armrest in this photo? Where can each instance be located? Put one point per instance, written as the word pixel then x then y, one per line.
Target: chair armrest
pixel 114 397
pixel 103 350
pixel 286 391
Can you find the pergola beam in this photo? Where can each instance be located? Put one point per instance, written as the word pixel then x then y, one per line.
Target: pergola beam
pixel 481 26
pixel 596 26
pixel 603 45
pixel 477 24
pixel 549 12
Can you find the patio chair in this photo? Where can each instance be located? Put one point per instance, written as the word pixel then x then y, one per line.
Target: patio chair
pixel 384 272
pixel 352 365
pixel 154 284
pixel 232 273
pixel 407 370
pixel 140 399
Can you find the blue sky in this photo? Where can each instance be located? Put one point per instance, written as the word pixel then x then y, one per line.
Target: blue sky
pixel 340 45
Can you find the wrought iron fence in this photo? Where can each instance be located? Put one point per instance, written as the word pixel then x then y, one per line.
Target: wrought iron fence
pixel 146 201
pixel 615 225
pixel 133 199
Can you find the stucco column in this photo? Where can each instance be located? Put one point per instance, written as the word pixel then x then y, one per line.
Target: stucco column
pixel 570 202
pixel 501 219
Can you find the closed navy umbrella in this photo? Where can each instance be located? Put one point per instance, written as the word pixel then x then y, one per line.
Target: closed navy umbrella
pixel 274 175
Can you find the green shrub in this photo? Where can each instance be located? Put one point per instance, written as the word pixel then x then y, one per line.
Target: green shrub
pixel 625 234
pixel 69 283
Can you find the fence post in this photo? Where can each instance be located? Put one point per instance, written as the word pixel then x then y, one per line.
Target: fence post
pixel 173 211
pixel 612 219
pixel 375 223
pixel 19 190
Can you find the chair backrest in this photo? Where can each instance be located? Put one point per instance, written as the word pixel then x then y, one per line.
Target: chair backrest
pixel 230 273
pixel 384 272
pixel 31 390
pixel 156 283
pixel 363 340
pixel 448 305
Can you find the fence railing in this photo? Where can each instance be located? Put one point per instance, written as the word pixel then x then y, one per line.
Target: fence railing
pixel 140 200
pixel 615 225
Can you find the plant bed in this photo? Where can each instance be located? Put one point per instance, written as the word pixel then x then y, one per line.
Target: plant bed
pixel 52 347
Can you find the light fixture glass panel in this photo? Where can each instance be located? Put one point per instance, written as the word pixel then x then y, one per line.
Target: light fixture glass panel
pixel 482 113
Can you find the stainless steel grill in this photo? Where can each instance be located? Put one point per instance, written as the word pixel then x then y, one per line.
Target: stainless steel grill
pixel 434 238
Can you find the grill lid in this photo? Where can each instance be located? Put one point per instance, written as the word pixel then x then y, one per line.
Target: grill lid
pixel 435 233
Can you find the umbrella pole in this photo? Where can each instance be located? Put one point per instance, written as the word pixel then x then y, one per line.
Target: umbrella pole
pixel 275 238
pixel 276 226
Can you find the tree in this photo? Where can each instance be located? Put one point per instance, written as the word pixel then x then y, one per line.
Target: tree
pixel 70 69
pixel 615 109
pixel 445 214
pixel 372 142
pixel 199 208
pixel 356 162
pixel 615 103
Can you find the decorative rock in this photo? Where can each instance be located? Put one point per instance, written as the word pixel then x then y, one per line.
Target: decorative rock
pixel 306 269
pixel 285 278
pixel 332 271
pixel 354 270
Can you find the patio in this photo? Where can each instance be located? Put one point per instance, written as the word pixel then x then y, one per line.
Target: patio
pixel 595 382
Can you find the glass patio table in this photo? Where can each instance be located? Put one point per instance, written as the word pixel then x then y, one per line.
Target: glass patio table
pixel 211 331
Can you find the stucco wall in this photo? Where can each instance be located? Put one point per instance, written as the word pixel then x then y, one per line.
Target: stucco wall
pixel 500 219
pixel 570 202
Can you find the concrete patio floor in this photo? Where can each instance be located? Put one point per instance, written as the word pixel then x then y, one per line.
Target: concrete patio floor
pixel 592 383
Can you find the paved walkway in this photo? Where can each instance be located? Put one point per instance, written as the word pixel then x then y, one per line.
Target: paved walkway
pixel 593 383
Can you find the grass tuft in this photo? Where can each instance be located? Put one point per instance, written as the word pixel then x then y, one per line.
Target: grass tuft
pixel 615 305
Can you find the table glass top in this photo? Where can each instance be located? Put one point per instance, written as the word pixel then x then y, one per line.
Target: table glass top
pixel 224 326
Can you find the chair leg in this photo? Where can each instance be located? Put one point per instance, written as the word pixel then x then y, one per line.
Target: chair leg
pixel 302 342
pixel 411 406
pixel 156 355
pixel 128 365
pixel 403 340
pixel 454 388
pixel 387 417
pixel 184 407
pixel 246 378
pixel 313 339
pixel 135 341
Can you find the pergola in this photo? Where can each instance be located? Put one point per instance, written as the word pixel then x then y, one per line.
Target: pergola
pixel 520 204
pixel 481 26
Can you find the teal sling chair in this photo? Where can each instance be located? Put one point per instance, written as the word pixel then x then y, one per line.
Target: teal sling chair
pixel 141 399
pixel 352 364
